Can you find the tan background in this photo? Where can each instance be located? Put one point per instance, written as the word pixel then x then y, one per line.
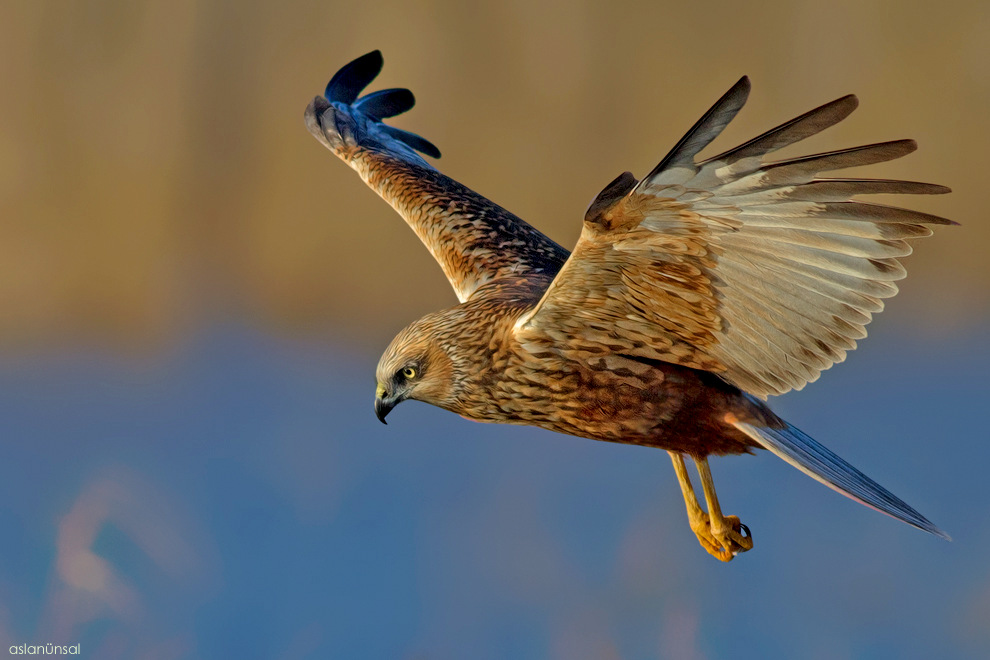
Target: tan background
pixel 155 171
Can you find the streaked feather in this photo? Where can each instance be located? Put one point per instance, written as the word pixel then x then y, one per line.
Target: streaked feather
pixel 788 269
pixel 474 240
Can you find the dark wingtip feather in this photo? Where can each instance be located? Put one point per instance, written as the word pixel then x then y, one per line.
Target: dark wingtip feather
pixel 880 213
pixel 368 112
pixel 841 190
pixel 386 103
pixel 418 143
pixel 347 83
pixel 851 99
pixel 706 129
pixel 744 85
pixel 797 168
pixel 795 130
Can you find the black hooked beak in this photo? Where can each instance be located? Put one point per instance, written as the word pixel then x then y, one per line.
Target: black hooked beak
pixel 383 404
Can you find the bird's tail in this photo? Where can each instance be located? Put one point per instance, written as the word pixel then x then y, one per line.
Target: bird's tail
pixel 815 460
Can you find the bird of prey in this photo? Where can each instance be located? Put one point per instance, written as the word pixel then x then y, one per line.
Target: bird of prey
pixel 692 295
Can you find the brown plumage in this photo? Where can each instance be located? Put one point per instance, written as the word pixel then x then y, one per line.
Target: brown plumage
pixel 691 295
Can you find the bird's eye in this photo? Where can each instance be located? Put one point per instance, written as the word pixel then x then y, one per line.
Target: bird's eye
pixel 409 373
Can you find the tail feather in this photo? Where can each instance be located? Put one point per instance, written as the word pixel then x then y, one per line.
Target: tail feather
pixel 819 463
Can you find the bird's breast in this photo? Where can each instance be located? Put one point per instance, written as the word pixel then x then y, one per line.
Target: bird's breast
pixel 614 398
pixel 604 397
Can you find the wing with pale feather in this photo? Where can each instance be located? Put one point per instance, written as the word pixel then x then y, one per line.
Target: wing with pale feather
pixel 473 239
pixel 762 272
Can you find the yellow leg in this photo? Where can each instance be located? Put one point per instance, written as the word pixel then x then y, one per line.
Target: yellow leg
pixel 733 536
pixel 719 535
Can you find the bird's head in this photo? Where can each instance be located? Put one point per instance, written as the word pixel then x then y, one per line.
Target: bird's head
pixel 418 365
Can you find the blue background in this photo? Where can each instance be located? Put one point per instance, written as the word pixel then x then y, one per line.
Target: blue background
pixel 290 523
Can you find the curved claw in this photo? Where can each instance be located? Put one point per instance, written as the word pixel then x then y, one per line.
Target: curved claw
pixel 723 543
pixel 731 536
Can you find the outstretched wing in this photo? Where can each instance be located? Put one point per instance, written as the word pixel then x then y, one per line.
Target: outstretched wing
pixel 760 272
pixel 474 240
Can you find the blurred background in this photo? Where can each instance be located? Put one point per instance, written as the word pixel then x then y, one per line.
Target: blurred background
pixel 194 295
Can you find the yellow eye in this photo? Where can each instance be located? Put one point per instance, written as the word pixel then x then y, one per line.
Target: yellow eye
pixel 409 373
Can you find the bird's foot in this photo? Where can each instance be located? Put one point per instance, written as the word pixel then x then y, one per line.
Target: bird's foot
pixel 723 537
